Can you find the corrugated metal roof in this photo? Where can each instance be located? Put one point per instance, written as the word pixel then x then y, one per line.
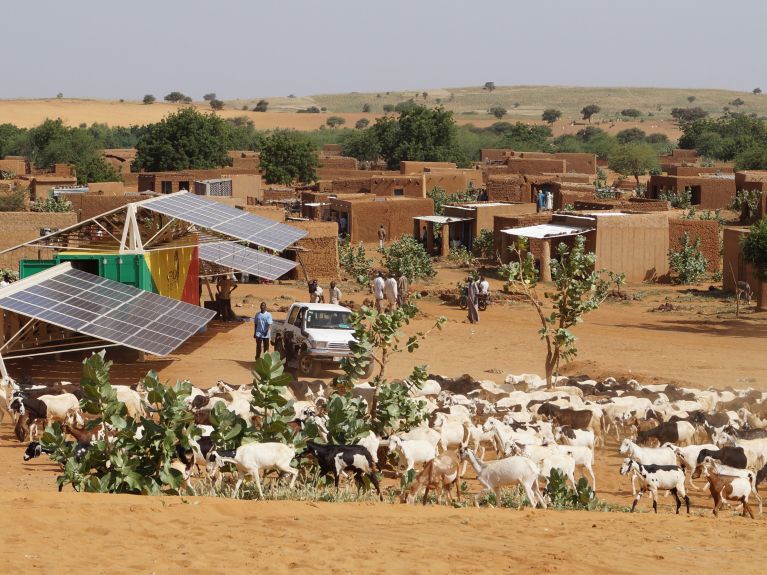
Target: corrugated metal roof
pixel 441 219
pixel 546 231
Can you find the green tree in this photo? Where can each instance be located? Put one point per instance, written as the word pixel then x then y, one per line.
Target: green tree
pixel 489 86
pixel 217 104
pixel 288 156
pixel 737 102
pixel 752 158
pixel 630 136
pixel 691 99
pixel 419 133
pixel 407 256
pixel 686 115
pixel 578 288
pixel 754 247
pixel 362 123
pixel 687 262
pixel 365 108
pixel 176 97
pixel 362 145
pixel 377 338
pixel 590 110
pixel 631 113
pixel 756 91
pixel 149 99
pixel 262 106
pixel 633 160
pixel 12 140
pixel 551 115
pixel 388 108
pixel 497 111
pixel 185 140
pixel 335 121
pixel 723 138
pixel 209 97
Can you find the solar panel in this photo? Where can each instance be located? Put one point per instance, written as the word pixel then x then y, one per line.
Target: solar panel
pixel 226 220
pixel 244 259
pixel 105 309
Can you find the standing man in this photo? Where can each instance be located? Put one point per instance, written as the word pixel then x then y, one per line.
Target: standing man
pixel 424 237
pixel 224 288
pixel 319 296
pixel 313 291
pixel 335 294
pixel 472 292
pixel 263 321
pixel 541 200
pixel 403 287
pixel 390 292
pixel 342 223
pixel 381 237
pixel 378 291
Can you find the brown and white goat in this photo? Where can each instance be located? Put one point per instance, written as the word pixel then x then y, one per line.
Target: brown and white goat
pixel 441 473
pixel 725 487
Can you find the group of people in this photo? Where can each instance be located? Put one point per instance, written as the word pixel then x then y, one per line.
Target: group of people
pixel 317 294
pixel 389 292
pixel 5 280
pixel 476 288
pixel 545 201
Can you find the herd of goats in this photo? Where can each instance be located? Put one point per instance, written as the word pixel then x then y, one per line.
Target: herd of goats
pixel 668 435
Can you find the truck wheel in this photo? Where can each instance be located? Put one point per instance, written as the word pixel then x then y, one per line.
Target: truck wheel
pixel 306 365
pixel 279 347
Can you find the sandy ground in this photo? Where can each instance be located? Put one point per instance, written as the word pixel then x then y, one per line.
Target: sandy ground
pixel 700 344
pixel 30 113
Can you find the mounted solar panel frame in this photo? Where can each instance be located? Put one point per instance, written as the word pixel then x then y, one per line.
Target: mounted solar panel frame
pixel 225 220
pixel 244 259
pixel 105 309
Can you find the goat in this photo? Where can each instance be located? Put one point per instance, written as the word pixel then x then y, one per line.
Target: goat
pixel 35 449
pixel 687 457
pixel 575 418
pixel 413 451
pixel 252 458
pixel 583 457
pixel 646 456
pixel 655 477
pixel 678 432
pixel 725 488
pixel 561 461
pixel 570 436
pixel 35 410
pixel 731 456
pixel 333 459
pixel 513 470
pixel 371 442
pixel 440 473
pixel 743 290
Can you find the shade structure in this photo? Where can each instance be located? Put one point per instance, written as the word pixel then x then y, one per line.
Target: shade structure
pixel 225 220
pixel 105 309
pixel 245 259
pixel 546 231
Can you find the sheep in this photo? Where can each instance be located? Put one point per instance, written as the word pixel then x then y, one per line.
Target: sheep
pixel 678 432
pixel 655 477
pixel 334 459
pixel 725 488
pixel 440 473
pixel 413 451
pixel 515 470
pixel 646 456
pixel 252 458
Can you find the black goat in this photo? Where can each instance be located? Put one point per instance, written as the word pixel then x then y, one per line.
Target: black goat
pixel 731 456
pixel 333 459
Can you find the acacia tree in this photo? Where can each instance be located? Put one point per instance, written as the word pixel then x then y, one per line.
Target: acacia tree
pixel 577 289
pixel 551 115
pixel 590 110
pixel 633 160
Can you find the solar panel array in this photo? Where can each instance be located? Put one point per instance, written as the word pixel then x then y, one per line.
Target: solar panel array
pixel 109 310
pixel 245 259
pixel 226 220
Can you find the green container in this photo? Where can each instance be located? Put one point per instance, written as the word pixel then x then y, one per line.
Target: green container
pixel 129 269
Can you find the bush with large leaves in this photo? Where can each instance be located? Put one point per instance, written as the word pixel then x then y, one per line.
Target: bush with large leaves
pixel 408 257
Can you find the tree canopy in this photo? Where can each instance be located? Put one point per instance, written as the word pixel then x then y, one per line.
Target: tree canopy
pixel 288 156
pixel 551 115
pixel 633 160
pixel 185 140
pixel 590 110
pixel 737 137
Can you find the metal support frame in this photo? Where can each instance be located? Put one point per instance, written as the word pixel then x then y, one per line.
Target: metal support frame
pixel 131 238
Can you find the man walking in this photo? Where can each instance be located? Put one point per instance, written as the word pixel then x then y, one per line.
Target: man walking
pixel 263 321
pixel 381 237
pixel 403 287
pixel 390 292
pixel 313 291
pixel 472 293
pixel 378 291
pixel 335 294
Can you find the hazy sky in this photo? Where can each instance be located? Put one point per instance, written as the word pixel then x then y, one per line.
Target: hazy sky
pixel 247 48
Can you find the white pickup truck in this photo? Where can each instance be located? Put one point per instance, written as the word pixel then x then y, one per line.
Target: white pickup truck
pixel 313 336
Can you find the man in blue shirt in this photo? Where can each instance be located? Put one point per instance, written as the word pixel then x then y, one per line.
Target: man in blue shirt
pixel 263 321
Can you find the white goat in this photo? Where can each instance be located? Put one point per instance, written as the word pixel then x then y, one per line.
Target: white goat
pixel 253 458
pixel 413 451
pixel 646 456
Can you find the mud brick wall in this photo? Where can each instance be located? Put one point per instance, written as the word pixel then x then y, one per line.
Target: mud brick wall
pixel 507 188
pixel 536 166
pixel 502 222
pixel 277 195
pixel 649 205
pixel 338 163
pixel 320 255
pixel 20 227
pixel 706 230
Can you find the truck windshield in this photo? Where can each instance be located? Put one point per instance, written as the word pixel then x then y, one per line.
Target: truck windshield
pixel 320 319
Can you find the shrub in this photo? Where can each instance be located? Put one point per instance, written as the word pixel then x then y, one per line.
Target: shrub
pixel 461 256
pixel 354 261
pixel 13 201
pixel 747 203
pixel 551 115
pixel 483 244
pixel 497 111
pixel 149 99
pixel 362 123
pixel 217 104
pixel 335 121
pixel 176 97
pixel 678 200
pixel 365 108
pixel 261 106
pixel 755 247
pixel 631 113
pixel 687 262
pixel 408 257
pixel 51 205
